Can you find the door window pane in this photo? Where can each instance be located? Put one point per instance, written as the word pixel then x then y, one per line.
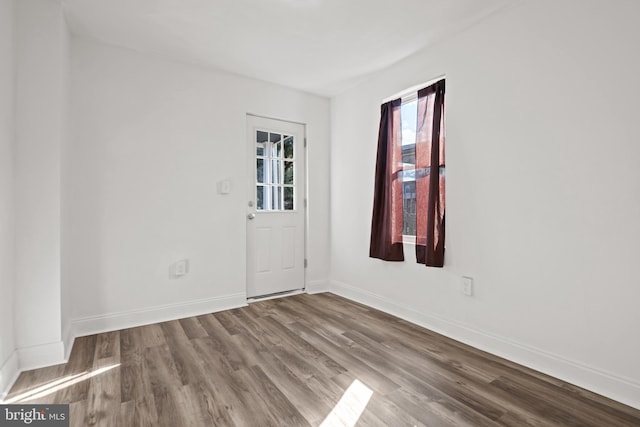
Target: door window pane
pixel 261 192
pixel 288 172
pixel 276 168
pixel 276 197
pixel 275 137
pixel 260 170
pixel 262 136
pixel 276 144
pixel 288 198
pixel 288 147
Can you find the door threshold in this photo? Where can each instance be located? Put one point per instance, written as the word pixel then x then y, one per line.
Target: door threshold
pixel 275 295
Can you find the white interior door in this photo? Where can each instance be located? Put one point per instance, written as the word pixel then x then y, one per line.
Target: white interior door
pixel 275 207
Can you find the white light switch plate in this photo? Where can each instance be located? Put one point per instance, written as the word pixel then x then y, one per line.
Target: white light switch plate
pixel 467 285
pixel 224 187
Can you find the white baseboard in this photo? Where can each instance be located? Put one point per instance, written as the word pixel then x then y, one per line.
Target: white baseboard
pixel 67 339
pixel 9 372
pixel 318 286
pixel 132 318
pixel 41 355
pixel 604 383
pixel 27 358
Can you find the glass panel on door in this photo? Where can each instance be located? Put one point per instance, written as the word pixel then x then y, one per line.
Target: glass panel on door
pixel 275 165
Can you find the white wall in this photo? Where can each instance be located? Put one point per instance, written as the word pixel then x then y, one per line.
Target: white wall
pixel 150 140
pixel 65 182
pixel 8 358
pixel 543 192
pixel 41 99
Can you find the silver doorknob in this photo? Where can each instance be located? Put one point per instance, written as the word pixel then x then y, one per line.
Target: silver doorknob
pixel 251 216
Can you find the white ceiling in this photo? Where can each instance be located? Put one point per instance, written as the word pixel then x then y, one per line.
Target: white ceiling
pixel 319 46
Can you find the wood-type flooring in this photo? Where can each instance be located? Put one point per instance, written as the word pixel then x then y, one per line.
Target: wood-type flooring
pixel 303 360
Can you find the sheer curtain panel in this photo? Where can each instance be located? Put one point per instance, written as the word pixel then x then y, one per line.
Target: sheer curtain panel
pixel 386 222
pixel 430 176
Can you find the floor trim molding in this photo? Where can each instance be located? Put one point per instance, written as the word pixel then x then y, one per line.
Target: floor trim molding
pixel 318 286
pixel 41 355
pixel 68 339
pixel 127 319
pixel 9 372
pixel 595 380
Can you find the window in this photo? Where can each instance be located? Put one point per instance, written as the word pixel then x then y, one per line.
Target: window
pixel 408 116
pixel 409 195
pixel 274 171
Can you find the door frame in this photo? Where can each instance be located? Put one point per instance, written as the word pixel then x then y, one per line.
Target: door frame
pixel 250 153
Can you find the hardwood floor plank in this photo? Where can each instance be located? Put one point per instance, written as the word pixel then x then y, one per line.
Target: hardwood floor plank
pixel 391 414
pixel 322 364
pixel 37 385
pixel 275 404
pixel 554 407
pixel 440 376
pixel 78 414
pixel 103 398
pixel 200 398
pixel 144 411
pixel 224 343
pixel 166 384
pixel 139 338
pixel 375 379
pixel 106 344
pixel 588 409
pixel 303 366
pixel 325 309
pixel 274 309
pixel 192 327
pixel 134 379
pixel 129 342
pixel 126 417
pixel 80 362
pixel 421 407
pixel 457 382
pixel 293 361
pixel 314 404
pixel 230 391
pixel 229 321
pixel 185 360
pixel 452 400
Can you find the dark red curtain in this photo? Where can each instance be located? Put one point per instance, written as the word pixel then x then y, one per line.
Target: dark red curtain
pixel 430 176
pixel 386 223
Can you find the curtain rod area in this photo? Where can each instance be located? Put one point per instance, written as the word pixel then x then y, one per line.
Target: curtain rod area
pixel 412 89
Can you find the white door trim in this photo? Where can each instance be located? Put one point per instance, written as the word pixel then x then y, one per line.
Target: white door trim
pixel 301 195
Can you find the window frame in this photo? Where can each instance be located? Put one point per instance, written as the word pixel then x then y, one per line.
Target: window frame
pixel 407 96
pixel 268 160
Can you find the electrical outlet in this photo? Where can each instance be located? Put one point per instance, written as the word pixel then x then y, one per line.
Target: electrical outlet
pixel 467 285
pixel 180 268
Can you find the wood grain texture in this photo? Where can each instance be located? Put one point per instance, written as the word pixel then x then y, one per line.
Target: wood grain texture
pixel 289 361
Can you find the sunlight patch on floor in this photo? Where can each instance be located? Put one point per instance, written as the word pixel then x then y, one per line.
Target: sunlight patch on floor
pixel 59 384
pixel 347 411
